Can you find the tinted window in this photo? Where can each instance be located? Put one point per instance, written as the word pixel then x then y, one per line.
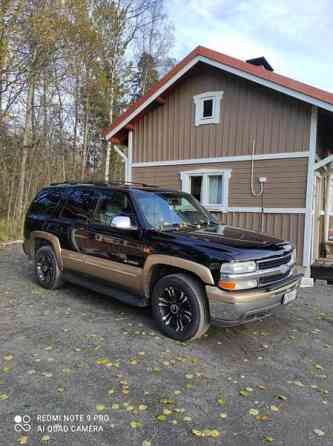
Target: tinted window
pixel 114 205
pixel 80 205
pixel 46 202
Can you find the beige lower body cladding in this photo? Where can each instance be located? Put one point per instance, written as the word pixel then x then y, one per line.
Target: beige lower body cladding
pixel 285 189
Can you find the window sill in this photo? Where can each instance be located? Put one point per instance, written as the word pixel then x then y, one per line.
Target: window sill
pixel 207 121
pixel 215 208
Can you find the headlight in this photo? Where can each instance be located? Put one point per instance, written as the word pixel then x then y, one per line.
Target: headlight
pixel 238 267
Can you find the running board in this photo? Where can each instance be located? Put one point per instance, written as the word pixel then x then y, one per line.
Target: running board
pixel 106 289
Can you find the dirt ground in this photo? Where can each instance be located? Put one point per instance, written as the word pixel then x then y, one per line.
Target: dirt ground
pixel 77 368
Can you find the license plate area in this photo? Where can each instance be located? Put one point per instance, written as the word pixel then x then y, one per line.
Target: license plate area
pixel 289 297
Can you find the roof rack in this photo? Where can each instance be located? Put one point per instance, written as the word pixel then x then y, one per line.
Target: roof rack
pixel 100 183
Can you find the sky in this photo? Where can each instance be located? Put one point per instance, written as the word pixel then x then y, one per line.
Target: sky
pixel 295 36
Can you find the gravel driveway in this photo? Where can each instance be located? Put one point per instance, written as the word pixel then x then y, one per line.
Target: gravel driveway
pixel 82 369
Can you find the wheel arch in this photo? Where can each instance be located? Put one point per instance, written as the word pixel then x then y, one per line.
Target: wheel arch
pixel 158 265
pixel 40 238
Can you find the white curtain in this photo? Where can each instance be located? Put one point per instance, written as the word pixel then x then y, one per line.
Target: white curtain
pixel 215 189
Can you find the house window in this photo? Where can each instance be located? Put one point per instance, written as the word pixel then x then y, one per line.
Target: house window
pixel 207 107
pixel 210 187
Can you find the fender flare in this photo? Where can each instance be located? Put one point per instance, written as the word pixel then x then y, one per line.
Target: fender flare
pixel 201 271
pixel 54 241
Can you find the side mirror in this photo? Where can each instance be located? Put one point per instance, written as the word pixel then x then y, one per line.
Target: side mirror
pixel 122 223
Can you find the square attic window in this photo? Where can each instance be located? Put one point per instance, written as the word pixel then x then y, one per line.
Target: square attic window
pixel 207 107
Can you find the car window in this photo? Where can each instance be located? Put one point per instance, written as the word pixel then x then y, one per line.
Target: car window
pixel 80 205
pixel 115 204
pixel 46 202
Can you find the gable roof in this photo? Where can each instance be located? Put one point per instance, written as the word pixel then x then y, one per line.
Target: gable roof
pixel 260 75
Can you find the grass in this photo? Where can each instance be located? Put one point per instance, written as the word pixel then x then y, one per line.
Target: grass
pixel 9 231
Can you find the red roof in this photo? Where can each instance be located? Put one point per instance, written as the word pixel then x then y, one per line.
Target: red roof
pixel 215 56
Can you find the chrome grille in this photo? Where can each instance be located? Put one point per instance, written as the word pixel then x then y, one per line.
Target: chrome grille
pixel 274 263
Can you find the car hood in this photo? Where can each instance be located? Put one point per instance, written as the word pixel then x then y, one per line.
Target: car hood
pixel 223 242
pixel 236 237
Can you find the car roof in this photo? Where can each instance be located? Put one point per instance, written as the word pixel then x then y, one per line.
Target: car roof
pixel 114 186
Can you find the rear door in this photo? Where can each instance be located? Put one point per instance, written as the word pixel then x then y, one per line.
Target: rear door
pixel 111 254
pixel 76 214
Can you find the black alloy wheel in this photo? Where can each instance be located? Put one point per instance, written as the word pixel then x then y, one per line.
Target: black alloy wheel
pixel 175 308
pixel 47 270
pixel 180 307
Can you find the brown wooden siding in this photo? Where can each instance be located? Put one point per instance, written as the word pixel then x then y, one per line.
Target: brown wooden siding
pixel 285 187
pixel 284 226
pixel 278 123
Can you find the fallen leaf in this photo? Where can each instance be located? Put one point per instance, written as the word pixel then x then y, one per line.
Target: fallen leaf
pixel 45 438
pixel 167 401
pixel 135 424
pixel 100 407
pixel 254 412
pixel 3 396
pixel 268 439
pixel 103 361
pixel 223 415
pixel 274 408
pixel 187 418
pixel 167 412
pixel 146 443
pixel 161 417
pixel 206 433
pixel 188 376
pixel 282 397
pixel 243 392
pixel 23 439
pixel 319 432
pixel 8 357
pixel 142 407
pixel 263 418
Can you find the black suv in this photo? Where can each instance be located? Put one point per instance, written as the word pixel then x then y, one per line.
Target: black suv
pixel 149 246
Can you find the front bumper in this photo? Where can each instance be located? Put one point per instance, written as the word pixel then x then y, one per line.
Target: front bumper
pixel 235 308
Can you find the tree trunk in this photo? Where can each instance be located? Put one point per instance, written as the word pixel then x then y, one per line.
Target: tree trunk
pixel 27 140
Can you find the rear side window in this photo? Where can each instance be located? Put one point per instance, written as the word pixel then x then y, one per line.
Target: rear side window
pixel 80 205
pixel 46 202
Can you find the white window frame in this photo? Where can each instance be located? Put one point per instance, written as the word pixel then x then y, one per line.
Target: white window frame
pixel 206 173
pixel 199 99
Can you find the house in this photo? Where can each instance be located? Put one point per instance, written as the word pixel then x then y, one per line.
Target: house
pixel 253 146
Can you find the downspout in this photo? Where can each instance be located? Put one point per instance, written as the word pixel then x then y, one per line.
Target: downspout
pixel 261 187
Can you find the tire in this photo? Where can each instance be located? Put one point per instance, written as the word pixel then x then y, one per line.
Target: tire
pixel 179 307
pixel 47 271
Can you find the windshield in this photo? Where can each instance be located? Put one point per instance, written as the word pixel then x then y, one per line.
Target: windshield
pixel 165 210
